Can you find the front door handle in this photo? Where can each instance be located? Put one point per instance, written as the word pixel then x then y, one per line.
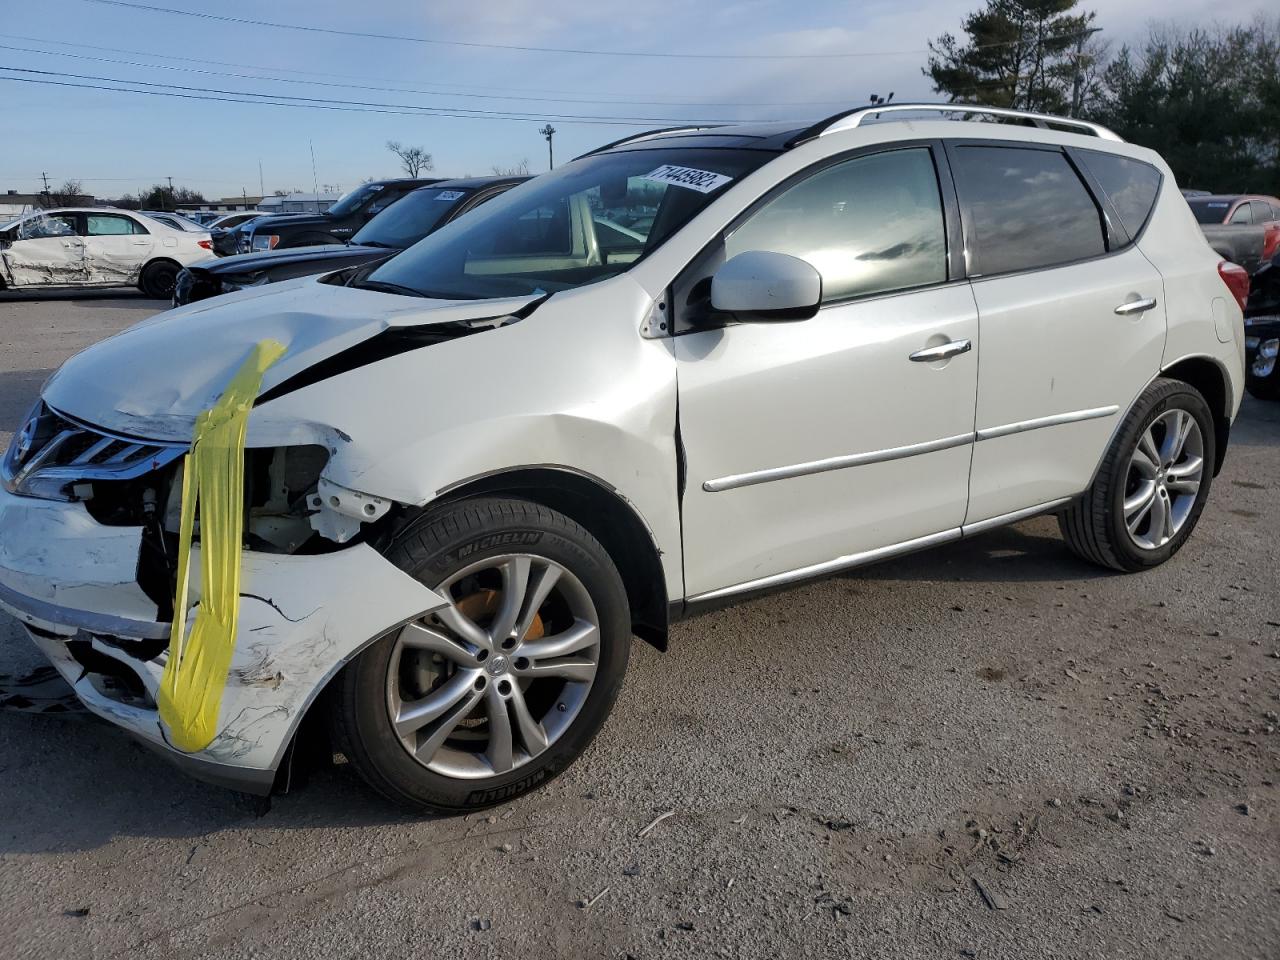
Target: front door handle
pixel 1130 307
pixel 943 351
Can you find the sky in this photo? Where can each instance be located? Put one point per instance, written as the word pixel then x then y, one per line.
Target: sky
pixel 722 61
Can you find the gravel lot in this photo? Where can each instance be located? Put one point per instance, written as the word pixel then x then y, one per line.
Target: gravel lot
pixel 850 765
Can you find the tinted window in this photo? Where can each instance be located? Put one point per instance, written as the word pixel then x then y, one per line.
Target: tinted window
pixel 110 225
pixel 868 225
pixel 1024 210
pixel 1210 211
pixel 1130 185
pixel 1241 214
pixel 1261 211
pixel 411 219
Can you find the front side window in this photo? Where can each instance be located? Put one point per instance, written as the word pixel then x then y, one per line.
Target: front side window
pixel 1241 214
pixel 869 225
pixel 587 221
pixel 1130 185
pixel 353 200
pixel 110 225
pixel 1024 209
pixel 47 225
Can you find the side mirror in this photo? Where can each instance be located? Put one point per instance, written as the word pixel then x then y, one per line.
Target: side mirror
pixel 761 285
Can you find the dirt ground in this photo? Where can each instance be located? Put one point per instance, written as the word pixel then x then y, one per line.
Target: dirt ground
pixel 989 750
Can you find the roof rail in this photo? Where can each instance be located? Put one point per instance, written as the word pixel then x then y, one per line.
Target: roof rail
pixel 851 119
pixel 646 135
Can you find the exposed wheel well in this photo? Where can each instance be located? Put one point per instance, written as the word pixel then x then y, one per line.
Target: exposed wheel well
pixel 1207 377
pixel 608 518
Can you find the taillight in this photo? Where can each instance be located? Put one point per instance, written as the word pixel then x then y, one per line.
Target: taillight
pixel 205 244
pixel 1236 278
pixel 1271 241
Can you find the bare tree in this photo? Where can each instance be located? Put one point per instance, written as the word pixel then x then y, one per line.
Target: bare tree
pixel 415 160
pixel 67 195
pixel 520 169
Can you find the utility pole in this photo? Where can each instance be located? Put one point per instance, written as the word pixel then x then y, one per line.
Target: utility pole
pixel 315 182
pixel 1077 86
pixel 261 189
pixel 172 205
pixel 549 131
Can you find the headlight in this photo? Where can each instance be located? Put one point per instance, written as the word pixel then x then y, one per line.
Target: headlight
pixel 1265 362
pixel 265 241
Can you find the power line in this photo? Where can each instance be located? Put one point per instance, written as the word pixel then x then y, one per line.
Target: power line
pixel 429 93
pixel 331 105
pixel 523 48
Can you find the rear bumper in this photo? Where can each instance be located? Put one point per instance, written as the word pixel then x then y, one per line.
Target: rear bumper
pixel 71 582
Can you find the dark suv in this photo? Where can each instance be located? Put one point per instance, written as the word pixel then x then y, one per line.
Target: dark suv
pixel 397 228
pixel 335 225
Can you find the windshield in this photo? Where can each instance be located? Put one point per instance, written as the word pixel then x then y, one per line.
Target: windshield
pixel 407 221
pixel 1210 211
pixel 351 202
pixel 589 220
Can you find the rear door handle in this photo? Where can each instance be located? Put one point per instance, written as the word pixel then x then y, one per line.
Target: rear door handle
pixel 943 351
pixel 1130 307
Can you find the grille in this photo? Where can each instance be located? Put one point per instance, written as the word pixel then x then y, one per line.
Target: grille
pixel 53 453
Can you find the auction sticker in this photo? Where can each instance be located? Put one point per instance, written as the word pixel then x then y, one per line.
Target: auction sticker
pixel 449 195
pixel 704 181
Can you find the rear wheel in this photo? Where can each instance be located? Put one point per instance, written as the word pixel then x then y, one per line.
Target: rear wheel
pixel 158 279
pixel 1152 485
pixel 493 694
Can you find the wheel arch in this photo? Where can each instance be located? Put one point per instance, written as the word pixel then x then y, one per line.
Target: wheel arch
pixel 606 515
pixel 1209 377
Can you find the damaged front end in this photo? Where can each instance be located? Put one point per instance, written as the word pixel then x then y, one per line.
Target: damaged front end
pixel 89 524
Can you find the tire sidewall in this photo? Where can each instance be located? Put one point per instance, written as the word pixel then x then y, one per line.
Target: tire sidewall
pixel 1174 396
pixel 430 552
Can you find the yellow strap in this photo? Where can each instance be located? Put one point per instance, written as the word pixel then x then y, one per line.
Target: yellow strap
pixel 212 480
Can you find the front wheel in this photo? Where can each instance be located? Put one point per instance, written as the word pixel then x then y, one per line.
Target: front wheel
pixel 499 690
pixel 1152 484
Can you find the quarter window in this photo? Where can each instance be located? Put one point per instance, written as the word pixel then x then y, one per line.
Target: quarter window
pixel 869 225
pixel 1130 185
pixel 1024 209
pixel 110 225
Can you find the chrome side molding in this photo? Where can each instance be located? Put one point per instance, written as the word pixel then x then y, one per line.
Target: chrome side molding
pixel 733 481
pixel 1075 416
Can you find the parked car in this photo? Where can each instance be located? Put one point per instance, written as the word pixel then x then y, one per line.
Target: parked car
pixel 175 220
pixel 1244 229
pixel 396 228
pixel 223 230
pixel 480 466
pixel 337 224
pixel 96 246
pixel 1262 332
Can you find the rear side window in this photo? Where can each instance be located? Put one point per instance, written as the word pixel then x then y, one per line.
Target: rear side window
pixel 110 225
pixel 1130 185
pixel 869 225
pixel 1261 211
pixel 1024 209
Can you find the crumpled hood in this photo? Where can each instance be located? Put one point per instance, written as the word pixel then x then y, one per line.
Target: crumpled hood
pixel 151 380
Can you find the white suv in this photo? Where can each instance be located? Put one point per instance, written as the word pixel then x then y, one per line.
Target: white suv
pixel 685 368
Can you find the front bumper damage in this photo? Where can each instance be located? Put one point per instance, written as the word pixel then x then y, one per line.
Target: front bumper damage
pixel 73 584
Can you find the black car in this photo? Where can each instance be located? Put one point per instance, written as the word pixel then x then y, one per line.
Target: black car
pixel 1262 332
pixel 396 228
pixel 336 225
pixel 222 231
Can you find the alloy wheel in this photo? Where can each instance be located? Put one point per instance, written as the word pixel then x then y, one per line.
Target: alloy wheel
pixel 490 681
pixel 1163 480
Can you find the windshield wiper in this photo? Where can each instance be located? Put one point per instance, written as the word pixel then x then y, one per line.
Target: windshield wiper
pixel 384 287
pixel 375 243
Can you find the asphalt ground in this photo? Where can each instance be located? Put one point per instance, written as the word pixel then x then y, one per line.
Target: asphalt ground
pixel 988 750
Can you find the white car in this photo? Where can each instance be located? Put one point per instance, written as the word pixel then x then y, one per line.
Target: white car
pixel 95 246
pixel 481 466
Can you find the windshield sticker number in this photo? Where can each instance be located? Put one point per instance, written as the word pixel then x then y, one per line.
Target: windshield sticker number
pixel 704 181
pixel 449 195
